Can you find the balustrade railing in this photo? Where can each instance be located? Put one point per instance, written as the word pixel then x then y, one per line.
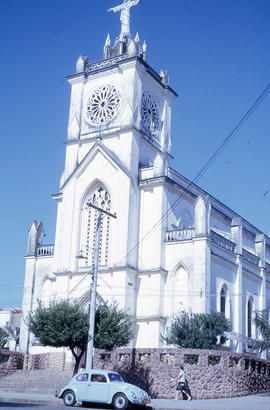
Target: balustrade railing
pixel 222 242
pixel 180 235
pixel 45 250
pixel 105 63
pixel 250 257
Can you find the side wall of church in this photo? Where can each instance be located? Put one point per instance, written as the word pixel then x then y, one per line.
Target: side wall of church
pixel 37 287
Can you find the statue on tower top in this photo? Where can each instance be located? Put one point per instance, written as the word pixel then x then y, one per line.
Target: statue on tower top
pixel 125 15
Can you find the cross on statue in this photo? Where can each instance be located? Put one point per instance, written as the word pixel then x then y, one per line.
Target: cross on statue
pixel 125 15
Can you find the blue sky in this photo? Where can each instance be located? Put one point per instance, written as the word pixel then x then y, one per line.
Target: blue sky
pixel 217 53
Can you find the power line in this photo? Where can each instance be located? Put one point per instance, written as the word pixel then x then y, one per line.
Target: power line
pixel 207 165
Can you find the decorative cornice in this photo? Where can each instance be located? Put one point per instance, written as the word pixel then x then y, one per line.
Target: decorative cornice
pixel 152 271
pixel 115 62
pixel 154 318
pixel 57 197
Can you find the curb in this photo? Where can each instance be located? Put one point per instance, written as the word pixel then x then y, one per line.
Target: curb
pixel 25 400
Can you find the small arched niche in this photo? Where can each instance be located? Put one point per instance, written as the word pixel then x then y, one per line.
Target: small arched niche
pixel 180 289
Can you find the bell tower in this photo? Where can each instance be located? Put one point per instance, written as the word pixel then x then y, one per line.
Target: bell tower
pixel 118 137
pixel 120 97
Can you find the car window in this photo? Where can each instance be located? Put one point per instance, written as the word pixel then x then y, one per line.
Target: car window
pixel 115 377
pixel 98 378
pixel 82 377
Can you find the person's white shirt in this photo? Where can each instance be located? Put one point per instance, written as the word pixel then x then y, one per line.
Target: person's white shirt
pixel 182 377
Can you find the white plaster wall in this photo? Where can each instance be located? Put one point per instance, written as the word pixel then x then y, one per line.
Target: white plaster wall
pixel 35 272
pixel 119 286
pixel 148 334
pixel 191 256
pixel 150 292
pixel 251 288
pixel 222 273
pixel 151 227
pixel 184 205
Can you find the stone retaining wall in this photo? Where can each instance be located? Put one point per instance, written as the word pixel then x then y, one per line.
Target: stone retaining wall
pixel 10 361
pixel 50 361
pixel 210 373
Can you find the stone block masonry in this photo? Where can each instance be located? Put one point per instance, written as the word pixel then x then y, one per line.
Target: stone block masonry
pixel 10 362
pixel 210 373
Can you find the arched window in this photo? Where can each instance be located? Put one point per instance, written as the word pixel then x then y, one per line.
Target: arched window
pixel 46 291
pixel 101 198
pixel 223 301
pixel 180 290
pixel 249 317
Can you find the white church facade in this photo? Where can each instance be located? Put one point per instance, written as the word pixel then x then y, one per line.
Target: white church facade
pixel 172 246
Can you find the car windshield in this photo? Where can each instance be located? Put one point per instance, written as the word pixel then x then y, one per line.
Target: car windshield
pixel 115 377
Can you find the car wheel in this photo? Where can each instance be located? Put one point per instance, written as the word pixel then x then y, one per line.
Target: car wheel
pixel 69 398
pixel 120 401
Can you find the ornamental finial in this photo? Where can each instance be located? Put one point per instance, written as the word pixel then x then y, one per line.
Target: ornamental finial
pixel 125 15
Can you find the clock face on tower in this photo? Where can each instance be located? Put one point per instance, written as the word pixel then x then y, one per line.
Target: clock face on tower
pixel 103 105
pixel 150 113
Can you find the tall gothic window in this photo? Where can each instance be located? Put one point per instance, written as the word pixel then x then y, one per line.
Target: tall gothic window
pixel 249 317
pixel 101 198
pixel 223 300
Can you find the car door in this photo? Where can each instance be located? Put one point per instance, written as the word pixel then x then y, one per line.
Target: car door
pixel 82 386
pixel 98 388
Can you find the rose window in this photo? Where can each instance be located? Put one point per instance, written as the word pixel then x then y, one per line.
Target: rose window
pixel 150 114
pixel 103 105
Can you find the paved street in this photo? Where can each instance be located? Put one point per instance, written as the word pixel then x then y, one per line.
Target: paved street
pixel 40 402
pixel 23 406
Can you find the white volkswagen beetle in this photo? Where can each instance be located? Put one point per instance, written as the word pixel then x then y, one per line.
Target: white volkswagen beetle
pixel 102 386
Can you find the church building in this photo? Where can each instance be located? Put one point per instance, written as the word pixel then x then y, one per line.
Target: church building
pixel 165 245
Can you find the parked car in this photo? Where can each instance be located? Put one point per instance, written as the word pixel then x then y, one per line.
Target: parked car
pixel 102 386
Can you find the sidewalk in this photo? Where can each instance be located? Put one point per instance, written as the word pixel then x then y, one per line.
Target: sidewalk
pixel 254 402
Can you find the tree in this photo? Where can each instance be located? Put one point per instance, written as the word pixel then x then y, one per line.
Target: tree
pixel 198 330
pixel 112 327
pixel 64 323
pixel 4 338
pixel 262 321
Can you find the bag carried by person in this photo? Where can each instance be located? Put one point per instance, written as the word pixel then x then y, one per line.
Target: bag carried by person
pixel 181 386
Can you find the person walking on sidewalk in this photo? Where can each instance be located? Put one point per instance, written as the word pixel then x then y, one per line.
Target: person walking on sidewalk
pixel 182 386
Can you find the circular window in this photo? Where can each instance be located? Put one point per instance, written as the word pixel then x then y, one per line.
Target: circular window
pixel 150 114
pixel 103 105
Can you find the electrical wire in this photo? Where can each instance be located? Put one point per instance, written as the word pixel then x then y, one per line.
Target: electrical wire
pixel 202 171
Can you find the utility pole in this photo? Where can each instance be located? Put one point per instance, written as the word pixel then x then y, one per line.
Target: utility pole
pixel 93 290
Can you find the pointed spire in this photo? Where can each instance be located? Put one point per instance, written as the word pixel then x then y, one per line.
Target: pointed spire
pixel 144 47
pixel 108 40
pixel 164 77
pixel 107 47
pixel 137 38
pixel 81 63
pixel 132 50
pixel 35 236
